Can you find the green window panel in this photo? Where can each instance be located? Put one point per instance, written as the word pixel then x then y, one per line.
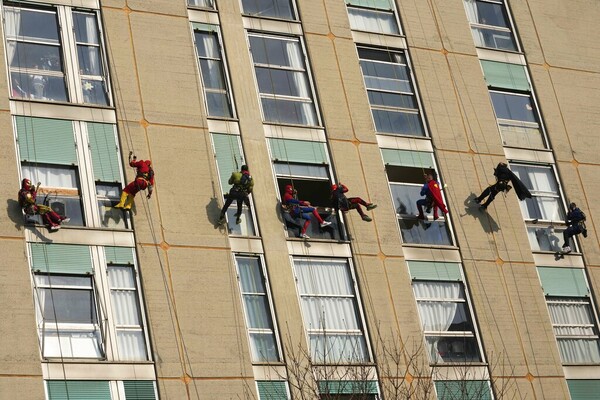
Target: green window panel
pixel 298 151
pixel 405 158
pixel 61 258
pixel 463 390
pixel 229 156
pixel 380 4
pixel 205 27
pixel 105 152
pixel 78 390
pixel 506 76
pixel 568 282
pixel 139 390
pixel 584 389
pixel 118 255
pixel 348 387
pixel 435 271
pixel 44 140
pixel 272 390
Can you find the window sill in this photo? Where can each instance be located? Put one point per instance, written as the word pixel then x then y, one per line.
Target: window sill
pixel 395 135
pixel 430 246
pixel 61 103
pixel 501 50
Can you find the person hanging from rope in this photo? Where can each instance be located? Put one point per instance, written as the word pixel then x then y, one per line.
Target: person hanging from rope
pixel 342 203
pixel 243 183
pixel 503 177
pixel 27 200
pixel 433 198
pixel 144 179
pixel 575 225
pixel 301 209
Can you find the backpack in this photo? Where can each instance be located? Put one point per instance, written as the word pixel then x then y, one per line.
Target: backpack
pixel 339 200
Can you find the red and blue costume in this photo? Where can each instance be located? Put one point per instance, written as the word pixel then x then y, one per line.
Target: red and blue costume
pixel 433 198
pixel 301 209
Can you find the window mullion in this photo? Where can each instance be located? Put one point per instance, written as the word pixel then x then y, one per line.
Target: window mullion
pixel 67 32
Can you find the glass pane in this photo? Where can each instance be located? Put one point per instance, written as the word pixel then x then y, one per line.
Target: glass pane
pixel 207 44
pixel 251 277
pixel 125 307
pixel 373 21
pixel 108 196
pixel 545 238
pixel 392 100
pixel 121 278
pixel 398 122
pixel 38 86
pixel 212 74
pixel 322 277
pixel 201 3
pixel 338 349
pixel 258 314
pixel 269 8
pixel 80 343
pixel 245 227
pixel 579 351
pixel 514 107
pixel 94 92
pixel 68 306
pixel 68 206
pixel 132 345
pixel 445 316
pixel 522 136
pixel 493 38
pixel 90 62
pixel 218 104
pixel 289 111
pixel 330 313
pixel 422 232
pixel 276 52
pixel 62 280
pixel 54 177
pixel 538 179
pixel 301 170
pixel 263 347
pixel 405 198
pixel 35 56
pixel 282 82
pixel 490 14
pixel 452 349
pixel 544 208
pixel 569 313
pixel 86 28
pixel 31 25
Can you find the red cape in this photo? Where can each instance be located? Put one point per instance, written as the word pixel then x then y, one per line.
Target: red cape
pixel 436 194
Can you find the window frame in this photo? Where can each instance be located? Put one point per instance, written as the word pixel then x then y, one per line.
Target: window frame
pixel 212 5
pixel 68 49
pixel 375 10
pixel 293 9
pixel 511 29
pixel 271 307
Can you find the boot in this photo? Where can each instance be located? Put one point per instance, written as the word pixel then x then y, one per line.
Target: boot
pixel 371 206
pixel 128 202
pixel 121 203
pixel 366 218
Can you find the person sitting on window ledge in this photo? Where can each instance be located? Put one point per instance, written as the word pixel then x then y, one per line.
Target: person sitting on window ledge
pixel 342 203
pixel 576 225
pixel 27 201
pixel 144 178
pixel 433 198
pixel 242 187
pixel 503 176
pixel 301 209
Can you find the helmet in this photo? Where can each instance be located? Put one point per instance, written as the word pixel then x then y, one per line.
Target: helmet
pixel 572 206
pixel 244 167
pixel 289 189
pixel 26 184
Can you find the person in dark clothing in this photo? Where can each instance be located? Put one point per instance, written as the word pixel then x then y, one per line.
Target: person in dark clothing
pixel 243 183
pixel 503 177
pixel 301 209
pixel 576 225
pixel 341 202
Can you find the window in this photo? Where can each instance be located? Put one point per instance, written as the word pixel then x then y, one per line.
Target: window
pixel 518 119
pixel 257 307
pixel 445 313
pixel 388 80
pixel 331 311
pixel 405 171
pixel 545 203
pixel 212 69
pixel 304 165
pixel 348 390
pixel 582 389
pixel 282 76
pixel 273 390
pixel 375 16
pixel 77 310
pixel 51 153
pixel 41 56
pixel 229 156
pixel 463 390
pixel 269 8
pixel 490 24
pixel 202 3
pixel 100 390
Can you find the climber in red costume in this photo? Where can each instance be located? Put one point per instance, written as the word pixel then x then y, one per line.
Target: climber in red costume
pixel 27 201
pixel 343 203
pixel 144 179
pixel 433 198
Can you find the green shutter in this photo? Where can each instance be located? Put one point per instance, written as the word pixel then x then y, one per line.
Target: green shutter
pixel 348 387
pixel 463 390
pixel 434 271
pixel 563 282
pixel 405 158
pixel 61 258
pixel 584 389
pixel 139 390
pixel 118 255
pixel 105 152
pixel 46 140
pixel 505 76
pixel 229 156
pixel 380 4
pixel 298 151
pixel 204 27
pixel 78 390
pixel 272 390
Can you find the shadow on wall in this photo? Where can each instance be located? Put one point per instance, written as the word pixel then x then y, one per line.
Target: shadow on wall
pixel 488 223
pixel 13 210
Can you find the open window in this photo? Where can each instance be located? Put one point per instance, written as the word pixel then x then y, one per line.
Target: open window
pixel 280 9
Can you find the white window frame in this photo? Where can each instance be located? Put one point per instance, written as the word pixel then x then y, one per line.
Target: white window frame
pixel 510 30
pixel 271 309
pixel 69 55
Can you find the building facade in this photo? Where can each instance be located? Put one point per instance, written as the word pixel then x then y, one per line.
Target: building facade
pixel 164 302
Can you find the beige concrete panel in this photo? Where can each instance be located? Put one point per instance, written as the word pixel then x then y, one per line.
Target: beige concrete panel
pixel 495 316
pixel 319 17
pixel 215 336
pixel 578 94
pixel 24 387
pixel 114 3
pixel 527 26
pixel 419 24
pixel 557 32
pixel 531 314
pixel 11 221
pixel 233 388
pixel 551 388
pixel 162 7
pixel 19 348
pixel 4 84
pixel 119 46
pixel 177 389
pixel 167 71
